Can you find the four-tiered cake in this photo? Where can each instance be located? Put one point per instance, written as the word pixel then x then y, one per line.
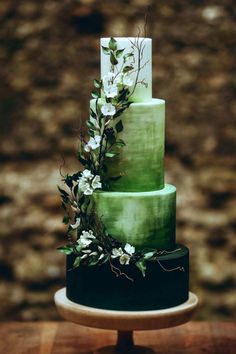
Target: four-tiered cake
pixel 138 209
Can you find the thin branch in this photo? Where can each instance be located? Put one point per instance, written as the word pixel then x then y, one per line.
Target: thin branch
pixel 118 272
pixel 171 269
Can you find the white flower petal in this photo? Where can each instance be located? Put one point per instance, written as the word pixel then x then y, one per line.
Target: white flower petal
pixel 119 79
pixel 87 148
pixel 94 121
pixel 97 138
pixel 76 225
pixel 127 81
pixel 117 252
pixel 124 259
pixel 96 182
pixel 87 174
pixel 111 91
pixel 108 109
pixel 101 256
pixel 88 191
pixel 129 249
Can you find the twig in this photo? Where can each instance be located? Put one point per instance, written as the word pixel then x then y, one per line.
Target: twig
pixel 118 272
pixel 171 269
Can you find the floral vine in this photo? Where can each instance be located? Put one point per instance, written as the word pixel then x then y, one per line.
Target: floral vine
pixel 87 236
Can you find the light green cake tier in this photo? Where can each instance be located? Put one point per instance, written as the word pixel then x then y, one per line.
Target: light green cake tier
pixel 141 161
pixel 143 219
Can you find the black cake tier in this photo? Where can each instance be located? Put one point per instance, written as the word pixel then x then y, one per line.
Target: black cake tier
pixel 98 286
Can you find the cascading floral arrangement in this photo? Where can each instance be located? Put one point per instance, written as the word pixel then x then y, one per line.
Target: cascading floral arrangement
pixel 88 238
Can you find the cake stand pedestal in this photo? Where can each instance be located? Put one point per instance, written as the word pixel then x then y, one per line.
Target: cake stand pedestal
pixel 125 322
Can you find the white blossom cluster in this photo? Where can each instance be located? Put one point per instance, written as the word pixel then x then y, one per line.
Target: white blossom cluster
pixel 88 182
pixel 93 143
pixel 112 83
pixel 124 257
pixel 85 239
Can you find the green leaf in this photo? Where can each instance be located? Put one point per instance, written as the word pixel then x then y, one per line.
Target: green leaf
pixel 95 94
pixel 93 261
pixel 66 219
pixel 97 83
pixel 113 59
pixel 115 178
pixel 127 68
pixel 104 259
pixel 141 266
pixel 104 168
pixel 119 126
pixel 120 143
pixel 82 159
pixel 93 114
pixel 112 44
pixel 90 124
pixel 111 154
pixel 65 249
pixel 127 56
pixel 78 248
pixel 77 262
pixel 149 255
pixel 91 133
pixel 119 53
pixel 64 193
pixel 106 50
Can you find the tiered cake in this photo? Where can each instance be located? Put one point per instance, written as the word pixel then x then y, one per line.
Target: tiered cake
pixel 139 209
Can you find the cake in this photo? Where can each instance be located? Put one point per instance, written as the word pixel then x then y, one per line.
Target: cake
pixel 121 215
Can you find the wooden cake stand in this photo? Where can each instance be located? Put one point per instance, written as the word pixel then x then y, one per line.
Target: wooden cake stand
pixel 125 322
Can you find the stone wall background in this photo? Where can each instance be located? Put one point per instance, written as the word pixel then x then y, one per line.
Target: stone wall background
pixel 49 56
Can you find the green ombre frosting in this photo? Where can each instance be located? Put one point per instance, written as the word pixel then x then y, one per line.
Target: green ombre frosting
pixel 143 219
pixel 141 161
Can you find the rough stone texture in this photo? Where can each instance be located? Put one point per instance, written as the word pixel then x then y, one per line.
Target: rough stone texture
pixel 49 56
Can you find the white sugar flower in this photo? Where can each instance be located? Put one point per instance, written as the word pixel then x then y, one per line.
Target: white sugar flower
pixel 124 259
pixel 85 238
pixel 76 225
pixel 96 182
pixel 93 143
pixel 119 79
pixel 87 234
pixel 111 91
pixel 88 182
pixel 87 174
pixel 127 81
pixel 117 252
pixel 86 188
pixel 84 242
pixel 129 249
pixel 108 109
pixel 108 78
pixel 84 185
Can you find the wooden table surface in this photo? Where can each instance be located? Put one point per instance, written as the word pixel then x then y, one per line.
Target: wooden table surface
pixel 68 338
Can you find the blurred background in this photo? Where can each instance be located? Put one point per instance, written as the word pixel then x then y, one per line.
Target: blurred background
pixel 49 56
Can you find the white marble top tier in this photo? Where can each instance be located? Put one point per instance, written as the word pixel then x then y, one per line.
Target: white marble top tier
pixel 141 93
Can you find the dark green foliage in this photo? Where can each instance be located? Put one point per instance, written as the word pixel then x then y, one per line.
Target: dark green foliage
pixel 112 44
pixel 106 50
pixel 119 126
pixel 113 59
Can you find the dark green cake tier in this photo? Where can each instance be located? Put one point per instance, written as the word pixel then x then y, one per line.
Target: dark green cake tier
pixel 98 287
